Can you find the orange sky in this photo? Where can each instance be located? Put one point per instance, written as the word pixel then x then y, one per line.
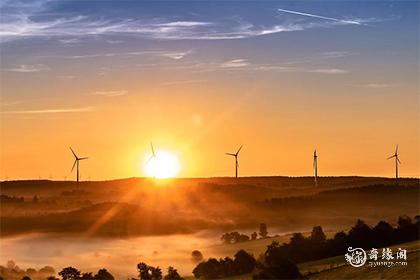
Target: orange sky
pixel 349 91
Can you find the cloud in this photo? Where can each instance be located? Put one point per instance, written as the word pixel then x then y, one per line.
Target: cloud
pixel 184 24
pixel 329 71
pixel 335 54
pixel 50 111
pixel 9 103
pixel 174 83
pixel 110 54
pixel 177 55
pixel 110 93
pixel 320 17
pixel 23 68
pixel 70 41
pixel 235 63
pixel 21 20
pixel 377 86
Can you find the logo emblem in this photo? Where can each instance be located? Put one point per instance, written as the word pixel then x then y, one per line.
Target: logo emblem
pixel 356 257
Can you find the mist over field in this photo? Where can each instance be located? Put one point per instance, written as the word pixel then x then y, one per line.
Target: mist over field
pixel 116 224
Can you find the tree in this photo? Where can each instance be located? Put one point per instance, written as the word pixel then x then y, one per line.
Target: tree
pixel 263 230
pixel 210 269
pixel 52 278
pixel 147 272
pixel 103 274
pixel 234 237
pixel 244 262
pixel 275 265
pixel 318 234
pixel 254 236
pixel 26 278
pixel 87 276
pixel 196 256
pixel 172 274
pixel 360 235
pixel 382 233
pixel 69 273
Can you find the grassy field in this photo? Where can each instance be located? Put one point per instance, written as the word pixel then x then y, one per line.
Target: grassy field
pixel 336 267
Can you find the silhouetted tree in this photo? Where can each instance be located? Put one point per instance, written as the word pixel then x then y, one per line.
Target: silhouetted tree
pixel 147 272
pixel 69 273
pixel 254 236
pixel 244 262
pixel 87 276
pixel 196 256
pixel 208 270
pixel 26 278
pixel 318 234
pixel 227 267
pixel 263 230
pixel 52 278
pixel 103 274
pixel 172 274
pixel 275 266
pixel 234 237
pixel 382 233
pixel 360 235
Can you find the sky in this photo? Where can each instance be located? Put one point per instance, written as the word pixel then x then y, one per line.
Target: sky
pixel 201 78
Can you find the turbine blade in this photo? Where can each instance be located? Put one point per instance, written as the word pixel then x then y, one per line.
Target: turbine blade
pixel 229 154
pixel 147 162
pixel 83 158
pixel 396 149
pixel 74 164
pixel 153 150
pixel 73 153
pixel 398 160
pixel 239 150
pixel 391 157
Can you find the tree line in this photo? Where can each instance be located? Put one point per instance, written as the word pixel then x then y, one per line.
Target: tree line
pixel 278 261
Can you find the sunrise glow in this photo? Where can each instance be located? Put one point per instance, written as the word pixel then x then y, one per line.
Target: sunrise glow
pixel 163 165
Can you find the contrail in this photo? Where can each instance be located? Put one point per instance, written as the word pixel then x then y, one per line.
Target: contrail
pixel 317 16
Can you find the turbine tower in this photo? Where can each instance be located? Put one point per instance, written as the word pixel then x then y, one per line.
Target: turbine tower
pixel 315 166
pixel 236 160
pixel 397 161
pixel 76 162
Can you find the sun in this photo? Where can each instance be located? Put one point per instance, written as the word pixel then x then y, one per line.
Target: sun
pixel 162 166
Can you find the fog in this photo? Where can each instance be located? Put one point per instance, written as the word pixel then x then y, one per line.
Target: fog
pixel 119 256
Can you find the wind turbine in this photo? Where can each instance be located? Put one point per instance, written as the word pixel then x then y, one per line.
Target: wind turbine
pixel 153 153
pixel 397 161
pixel 76 162
pixel 236 160
pixel 315 165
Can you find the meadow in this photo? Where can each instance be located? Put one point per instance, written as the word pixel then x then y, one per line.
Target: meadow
pixel 116 224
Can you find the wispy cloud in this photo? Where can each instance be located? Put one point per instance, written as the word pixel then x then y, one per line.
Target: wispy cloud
pixel 335 54
pixel 110 93
pixel 23 68
pixel 320 17
pixel 9 103
pixel 329 71
pixel 50 111
pixel 177 55
pixel 175 83
pixel 30 21
pixel 377 86
pixel 235 63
